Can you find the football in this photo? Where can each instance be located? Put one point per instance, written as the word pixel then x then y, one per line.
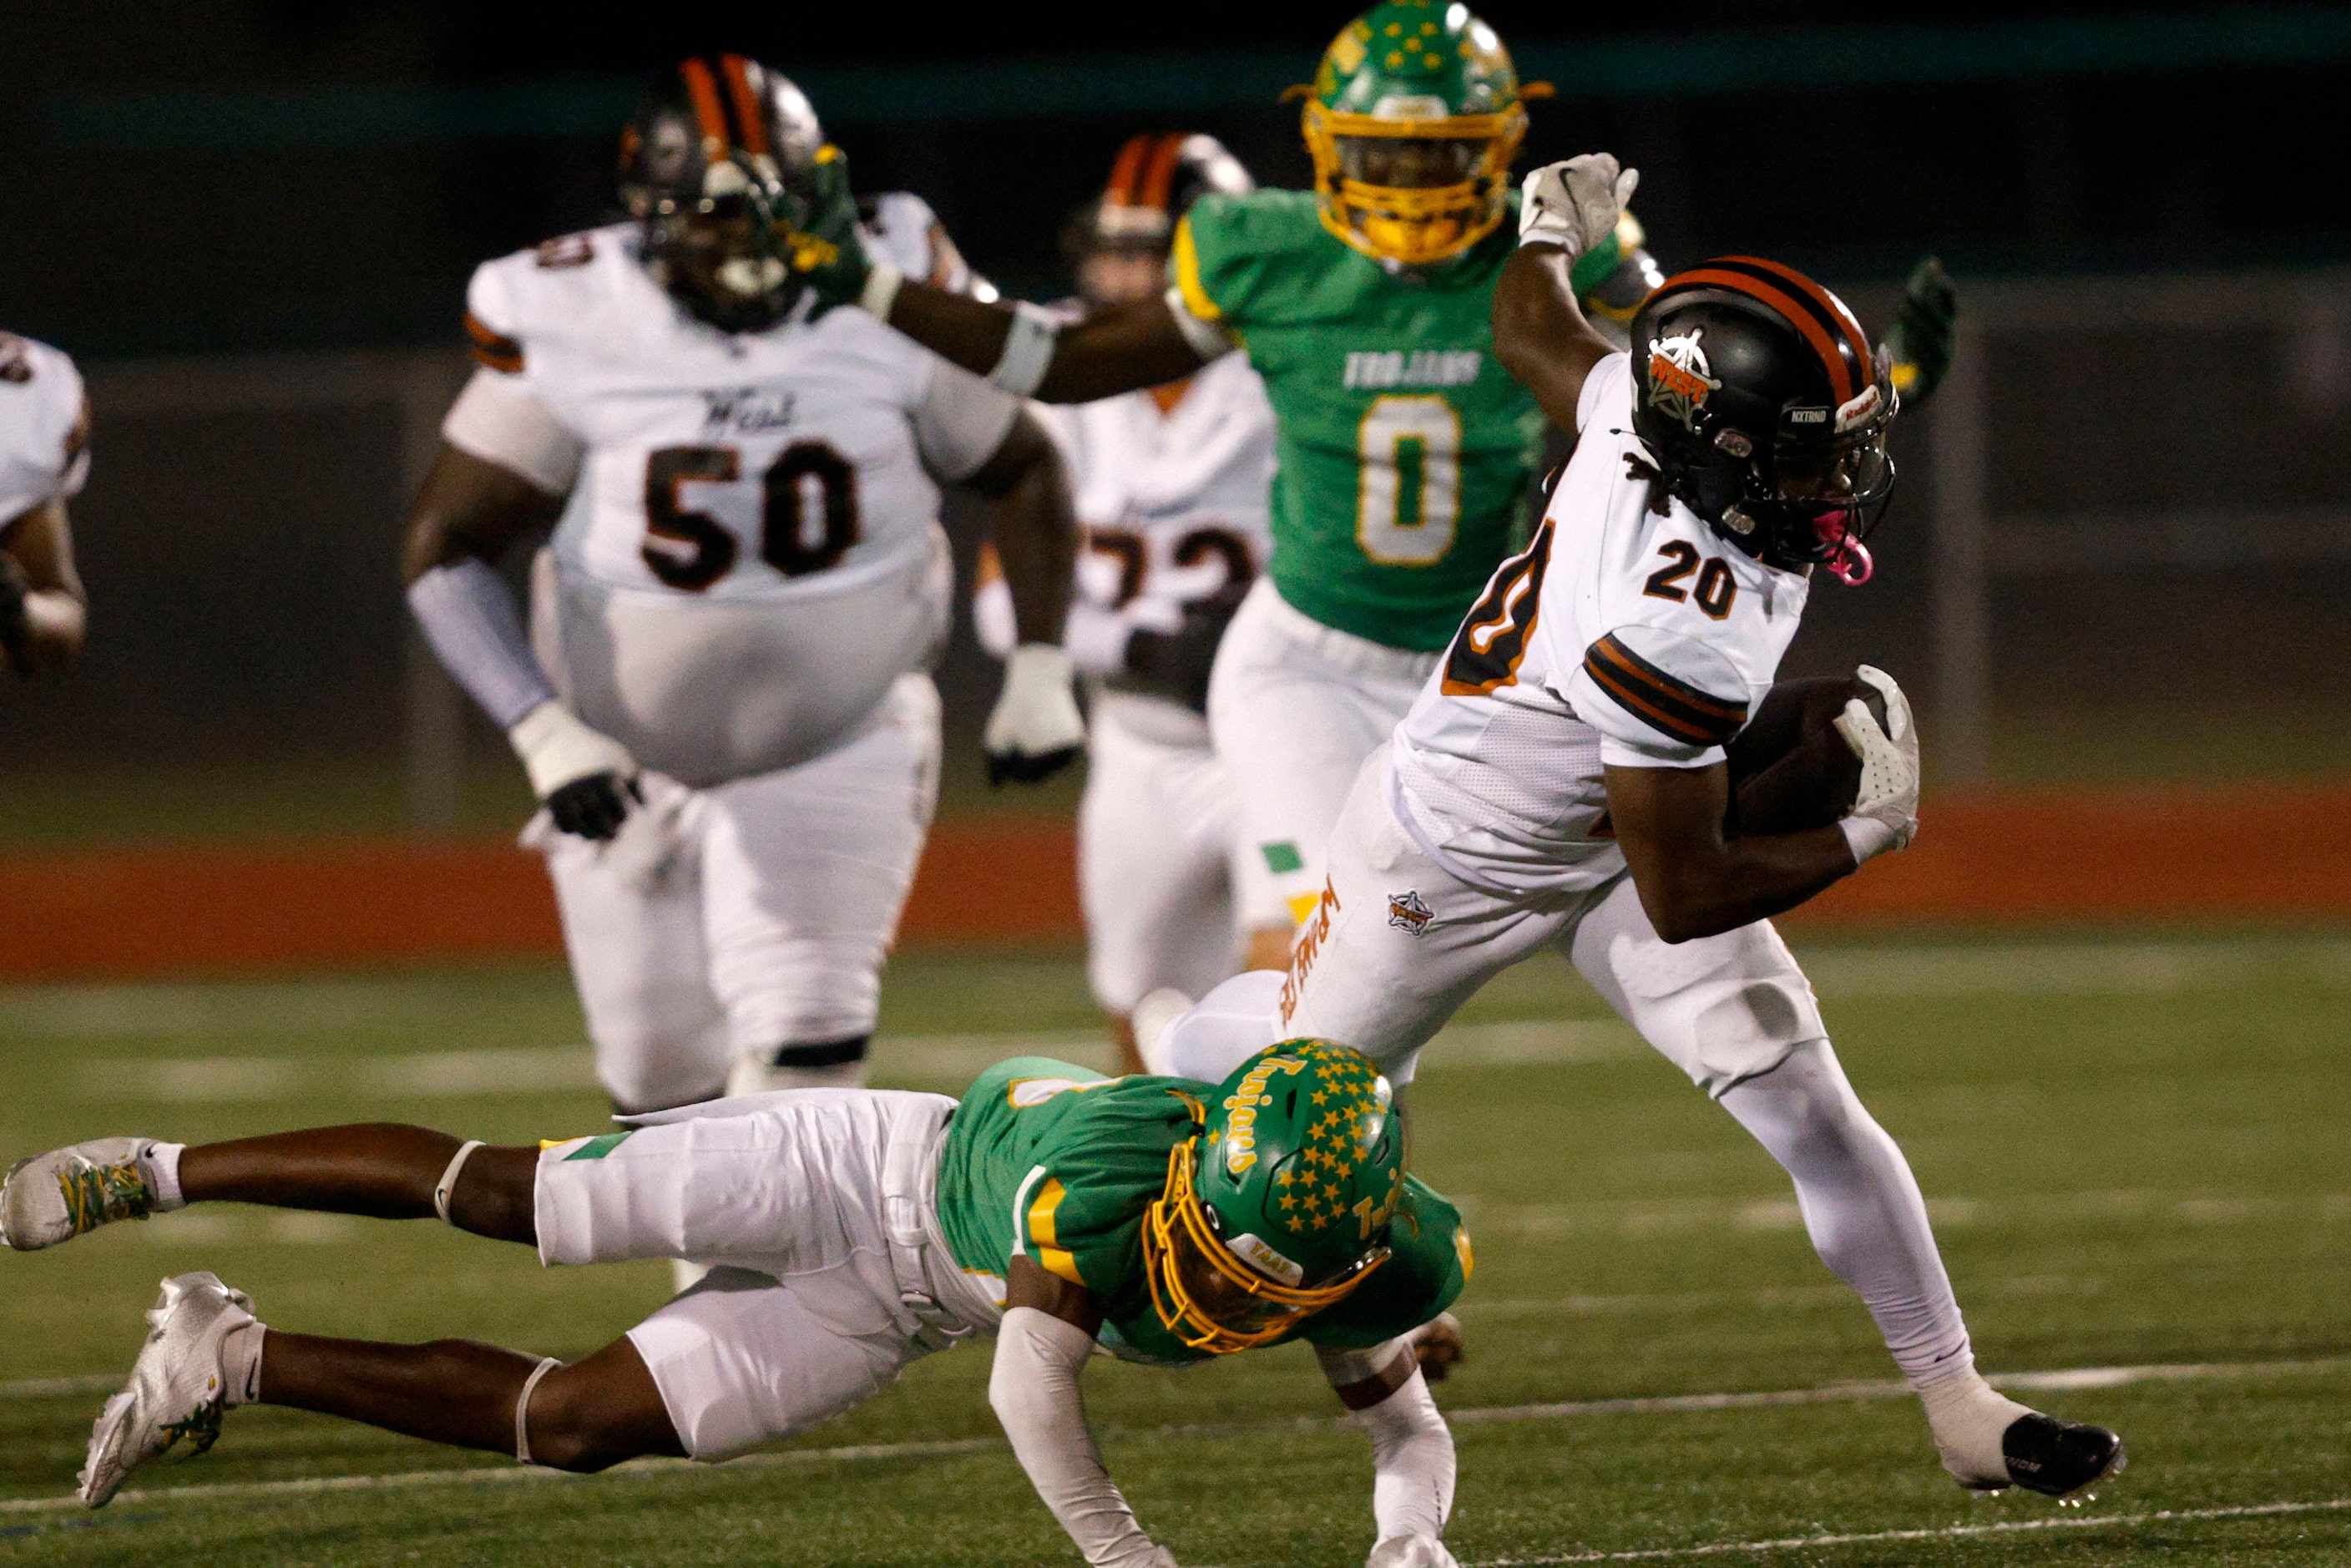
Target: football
pixel 1789 769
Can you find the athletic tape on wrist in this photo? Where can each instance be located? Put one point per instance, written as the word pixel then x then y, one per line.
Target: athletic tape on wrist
pixel 881 291
pixel 1027 349
pixel 547 1364
pixel 448 1182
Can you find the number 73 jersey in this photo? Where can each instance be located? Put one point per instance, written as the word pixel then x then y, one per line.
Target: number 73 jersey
pixel 1404 448
pixel 1627 635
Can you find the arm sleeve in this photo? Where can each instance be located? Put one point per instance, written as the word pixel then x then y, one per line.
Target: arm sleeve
pixel 497 420
pixel 961 420
pixel 1033 1388
pixel 1659 699
pixel 1411 1460
pixel 468 615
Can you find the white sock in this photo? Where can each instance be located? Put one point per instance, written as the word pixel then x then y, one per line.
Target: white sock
pixel 241 1362
pixel 1969 1417
pixel 1861 1206
pixel 162 1163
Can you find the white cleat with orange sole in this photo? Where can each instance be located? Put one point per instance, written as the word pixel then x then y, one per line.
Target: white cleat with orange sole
pixel 202 1356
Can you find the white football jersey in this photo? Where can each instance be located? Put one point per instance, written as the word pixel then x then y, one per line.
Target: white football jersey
pixel 1173 502
pixel 749 553
pixel 1621 637
pixel 44 426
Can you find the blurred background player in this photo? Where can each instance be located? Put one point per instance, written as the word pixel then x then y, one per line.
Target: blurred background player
pixel 1564 780
pixel 1406 451
pixel 852 1233
pixel 44 459
pixel 1170 486
pixel 729 715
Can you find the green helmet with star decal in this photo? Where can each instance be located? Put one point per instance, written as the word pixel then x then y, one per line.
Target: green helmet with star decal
pixel 1279 1208
pixel 1413 119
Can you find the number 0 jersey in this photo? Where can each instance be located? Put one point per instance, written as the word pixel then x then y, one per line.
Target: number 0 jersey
pixel 1060 1164
pixel 750 553
pixel 1405 448
pixel 1622 637
pixel 44 427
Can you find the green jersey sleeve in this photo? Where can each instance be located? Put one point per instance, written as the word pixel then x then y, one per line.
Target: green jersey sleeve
pixel 1428 1267
pixel 1056 1163
pixel 1243 260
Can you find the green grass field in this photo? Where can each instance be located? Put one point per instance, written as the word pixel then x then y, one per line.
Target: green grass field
pixel 2134 1150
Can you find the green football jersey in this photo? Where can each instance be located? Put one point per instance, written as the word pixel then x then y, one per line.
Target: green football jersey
pixel 1062 1164
pixel 1403 447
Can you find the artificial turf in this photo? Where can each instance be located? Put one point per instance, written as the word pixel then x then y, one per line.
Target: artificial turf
pixel 2133 1148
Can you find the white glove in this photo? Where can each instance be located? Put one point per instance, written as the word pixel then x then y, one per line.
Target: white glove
pixel 1886 808
pixel 587 778
pixel 1035 730
pixel 1574 205
pixel 1410 1551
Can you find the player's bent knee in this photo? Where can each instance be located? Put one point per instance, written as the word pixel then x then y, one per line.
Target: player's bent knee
pixel 581 1423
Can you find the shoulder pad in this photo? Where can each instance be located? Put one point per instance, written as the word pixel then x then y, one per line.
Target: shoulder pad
pixel 1232 250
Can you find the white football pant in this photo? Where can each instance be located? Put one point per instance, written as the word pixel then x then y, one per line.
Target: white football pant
pixel 765 928
pixel 1398 944
pixel 1294 706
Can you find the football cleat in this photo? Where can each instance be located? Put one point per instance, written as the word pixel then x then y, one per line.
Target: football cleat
pixel 202 1356
pixel 2056 1458
pixel 57 1196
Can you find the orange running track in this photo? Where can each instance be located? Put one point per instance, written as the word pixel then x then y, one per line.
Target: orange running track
pixel 2248 855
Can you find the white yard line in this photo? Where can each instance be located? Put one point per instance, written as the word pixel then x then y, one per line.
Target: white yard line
pixel 1947 1532
pixel 1669 1403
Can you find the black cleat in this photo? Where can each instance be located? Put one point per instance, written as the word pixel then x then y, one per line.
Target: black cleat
pixel 2055 1458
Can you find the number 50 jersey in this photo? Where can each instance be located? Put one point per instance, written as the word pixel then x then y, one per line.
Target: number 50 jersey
pixel 750 553
pixel 1623 636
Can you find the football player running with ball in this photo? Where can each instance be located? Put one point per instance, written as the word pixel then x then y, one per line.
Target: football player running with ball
pixel 44 460
pixel 725 702
pixel 1170 486
pixel 1564 780
pixel 851 1232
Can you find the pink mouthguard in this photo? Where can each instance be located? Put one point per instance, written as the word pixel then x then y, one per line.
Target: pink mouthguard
pixel 1848 560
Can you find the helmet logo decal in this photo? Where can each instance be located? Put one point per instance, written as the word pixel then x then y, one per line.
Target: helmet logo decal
pixel 1240 1127
pixel 1860 411
pixel 1408 912
pixel 1679 382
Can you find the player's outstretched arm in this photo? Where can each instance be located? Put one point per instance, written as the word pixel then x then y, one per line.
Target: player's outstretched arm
pixel 1412 1450
pixel 1035 729
pixel 1047 1334
pixel 1540 331
pixel 43 610
pixel 1025 351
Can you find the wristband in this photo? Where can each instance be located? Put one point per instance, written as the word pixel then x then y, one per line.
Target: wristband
pixel 1027 349
pixel 881 291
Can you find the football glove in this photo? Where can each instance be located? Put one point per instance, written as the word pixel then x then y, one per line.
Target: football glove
pixel 829 252
pixel 1885 813
pixel 1919 341
pixel 586 779
pixel 1410 1551
pixel 16 625
pixel 1175 663
pixel 1035 730
pixel 1576 204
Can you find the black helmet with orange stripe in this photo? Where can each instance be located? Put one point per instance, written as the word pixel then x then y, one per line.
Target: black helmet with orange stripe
pixel 1118 241
pixel 714 166
pixel 1766 410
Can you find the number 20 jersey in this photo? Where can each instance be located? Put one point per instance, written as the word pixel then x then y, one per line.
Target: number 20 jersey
pixel 1622 637
pixel 750 555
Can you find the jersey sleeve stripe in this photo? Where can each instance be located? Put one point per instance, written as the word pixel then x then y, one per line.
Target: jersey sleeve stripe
pixel 1670 706
pixel 493 351
pixel 1187 276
